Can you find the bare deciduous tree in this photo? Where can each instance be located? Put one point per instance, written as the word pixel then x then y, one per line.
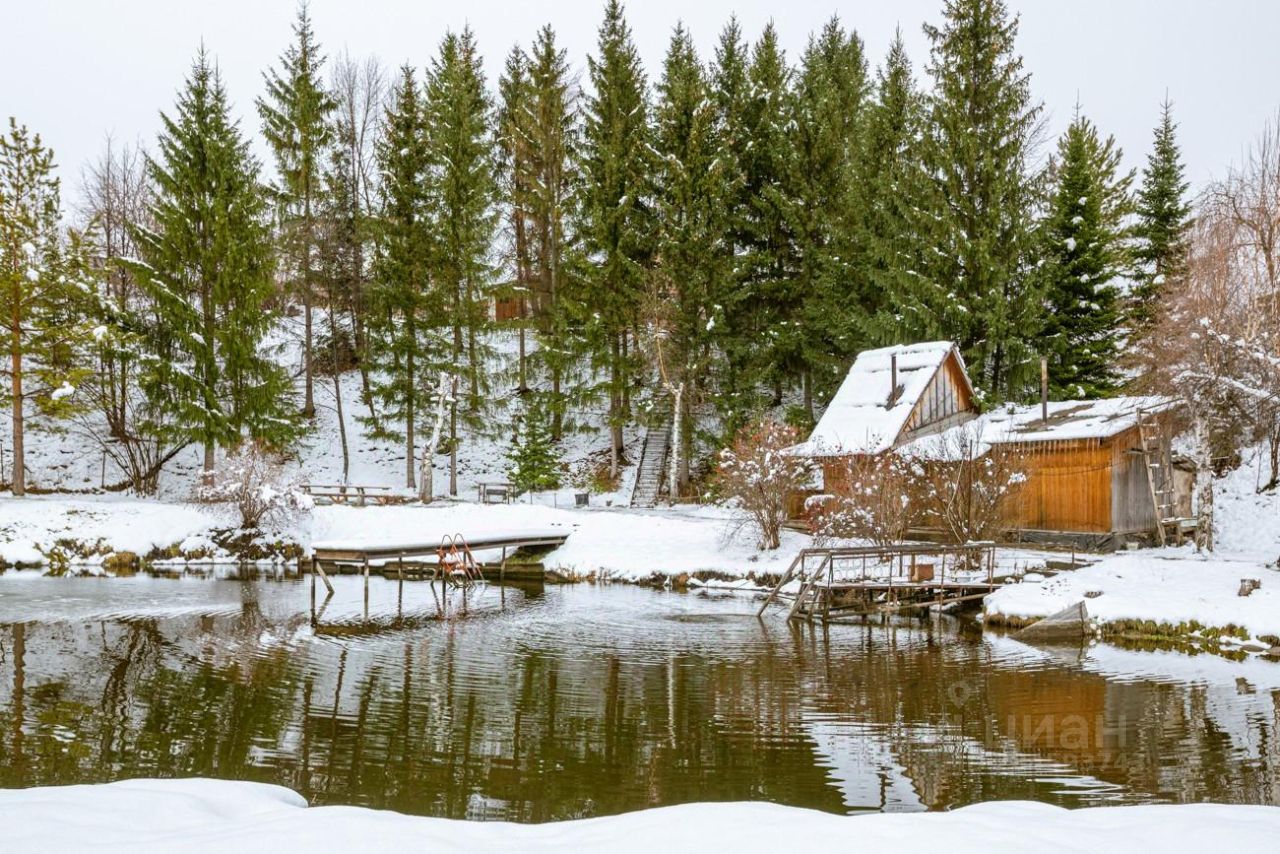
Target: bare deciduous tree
pixel 758 475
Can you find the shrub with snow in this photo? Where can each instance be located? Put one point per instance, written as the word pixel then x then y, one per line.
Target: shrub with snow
pixel 759 477
pixel 251 479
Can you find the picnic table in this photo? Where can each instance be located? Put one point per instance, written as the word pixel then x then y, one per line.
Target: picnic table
pixel 495 492
pixel 342 493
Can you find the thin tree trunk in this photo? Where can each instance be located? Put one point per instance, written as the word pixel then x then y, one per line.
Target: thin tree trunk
pixel 308 403
pixel 453 438
pixel 19 452
pixel 409 455
pixel 337 392
pixel 677 440
pixel 615 411
pixel 426 479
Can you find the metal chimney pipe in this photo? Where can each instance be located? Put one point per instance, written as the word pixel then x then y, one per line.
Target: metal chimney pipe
pixel 893 381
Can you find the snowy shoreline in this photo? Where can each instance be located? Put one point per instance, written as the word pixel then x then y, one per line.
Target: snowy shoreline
pixel 1167 593
pixel 198 815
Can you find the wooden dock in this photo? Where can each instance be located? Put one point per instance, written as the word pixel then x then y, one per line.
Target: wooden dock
pixel 834 583
pixel 449 560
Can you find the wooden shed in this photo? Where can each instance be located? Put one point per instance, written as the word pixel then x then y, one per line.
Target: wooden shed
pixel 1100 471
pixel 1097 472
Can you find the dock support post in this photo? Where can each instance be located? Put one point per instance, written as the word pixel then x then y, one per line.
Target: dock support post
pixel 318 568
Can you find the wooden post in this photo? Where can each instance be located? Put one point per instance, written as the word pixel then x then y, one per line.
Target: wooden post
pixel 317 567
pixel 1044 389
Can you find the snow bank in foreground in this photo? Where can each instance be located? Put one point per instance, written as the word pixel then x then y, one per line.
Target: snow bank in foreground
pixel 1165 587
pixel 218 816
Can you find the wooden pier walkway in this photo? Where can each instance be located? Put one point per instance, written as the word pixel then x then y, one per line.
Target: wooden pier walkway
pixel 449 560
pixel 834 583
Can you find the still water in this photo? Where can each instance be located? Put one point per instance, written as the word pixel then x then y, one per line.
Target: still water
pixel 563 702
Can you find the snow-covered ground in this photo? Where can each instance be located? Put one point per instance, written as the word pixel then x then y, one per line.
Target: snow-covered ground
pixel 607 542
pixel 218 816
pixel 1174 586
pixel 1169 587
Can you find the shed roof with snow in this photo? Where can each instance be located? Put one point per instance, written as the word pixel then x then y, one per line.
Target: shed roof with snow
pixel 869 415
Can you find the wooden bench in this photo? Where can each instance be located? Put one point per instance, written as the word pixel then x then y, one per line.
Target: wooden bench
pixel 495 492
pixel 338 493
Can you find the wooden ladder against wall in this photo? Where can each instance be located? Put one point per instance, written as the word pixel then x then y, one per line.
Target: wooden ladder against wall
pixel 1159 475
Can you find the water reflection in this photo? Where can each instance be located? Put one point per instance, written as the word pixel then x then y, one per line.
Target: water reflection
pixel 579 701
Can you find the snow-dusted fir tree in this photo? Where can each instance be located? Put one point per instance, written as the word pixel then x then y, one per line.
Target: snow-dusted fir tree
pixel 295 116
pixel 977 220
pixel 534 464
pixel 763 298
pixel 1164 220
pixel 731 92
pixel 404 311
pixel 614 217
pixel 888 194
pixel 206 266
pixel 692 268
pixel 829 108
pixel 42 283
pixel 1084 255
pixel 463 196
pixel 553 132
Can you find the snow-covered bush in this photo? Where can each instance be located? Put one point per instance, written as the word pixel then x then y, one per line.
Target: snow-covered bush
pixel 758 476
pixel 251 479
pixel 878 499
pixel 966 485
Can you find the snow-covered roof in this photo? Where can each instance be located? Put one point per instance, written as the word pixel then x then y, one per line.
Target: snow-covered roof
pixel 858 419
pixel 1069 420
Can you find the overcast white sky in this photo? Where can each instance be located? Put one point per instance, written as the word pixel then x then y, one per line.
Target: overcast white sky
pixel 75 70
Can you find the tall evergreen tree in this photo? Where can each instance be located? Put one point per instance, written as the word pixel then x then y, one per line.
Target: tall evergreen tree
pixel 690 198
pixel 515 168
pixel 295 116
pixel 463 186
pixel 404 310
pixel 206 265
pixel 731 92
pixel 1164 217
pixel 763 299
pixel 828 111
pixel 1084 255
pixel 552 130
pixel 978 223
pixel 614 210
pixel 41 282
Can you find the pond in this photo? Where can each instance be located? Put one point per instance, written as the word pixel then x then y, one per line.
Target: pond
pixel 569 701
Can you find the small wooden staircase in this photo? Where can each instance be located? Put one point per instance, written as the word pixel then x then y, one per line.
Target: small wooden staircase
pixel 1159 467
pixel 651 473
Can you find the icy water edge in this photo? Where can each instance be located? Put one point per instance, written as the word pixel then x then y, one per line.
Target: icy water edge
pixel 571 701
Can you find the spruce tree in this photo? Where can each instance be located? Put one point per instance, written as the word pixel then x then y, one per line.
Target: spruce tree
pixel 978 219
pixel 887 246
pixel 206 265
pixel 1084 255
pixel 295 116
pixel 693 268
pixel 551 128
pixel 615 219
pixel 763 299
pixel 404 310
pixel 515 178
pixel 463 188
pixel 1164 217
pixel 731 93
pixel 42 286
pixel 828 110
pixel 534 465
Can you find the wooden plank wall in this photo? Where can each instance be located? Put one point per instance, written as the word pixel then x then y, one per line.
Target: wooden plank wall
pixel 1068 486
pixel 946 395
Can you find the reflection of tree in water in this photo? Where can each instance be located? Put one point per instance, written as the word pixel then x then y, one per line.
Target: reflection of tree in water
pixel 466 723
